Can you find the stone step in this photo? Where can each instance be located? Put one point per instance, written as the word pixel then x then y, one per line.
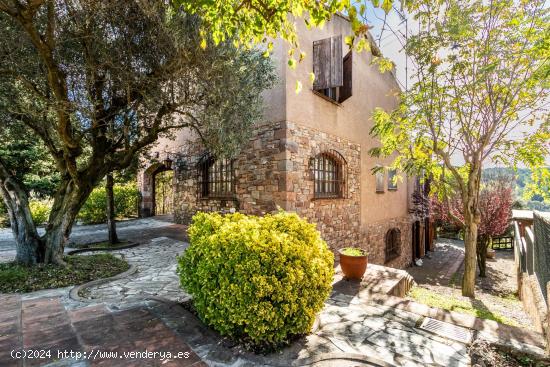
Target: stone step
pixel 390 334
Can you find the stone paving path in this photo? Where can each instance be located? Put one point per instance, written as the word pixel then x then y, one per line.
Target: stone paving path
pixel 137 230
pixel 356 327
pixel 156 274
pixel 443 263
pixel 352 331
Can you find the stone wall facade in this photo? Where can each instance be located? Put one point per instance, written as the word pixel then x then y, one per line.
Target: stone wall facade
pixel 375 238
pixel 338 219
pixel 275 171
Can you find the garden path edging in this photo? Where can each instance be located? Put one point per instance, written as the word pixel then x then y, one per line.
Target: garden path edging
pixel 74 293
pixel 106 249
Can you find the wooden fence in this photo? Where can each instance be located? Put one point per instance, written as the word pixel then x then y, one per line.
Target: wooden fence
pixel 502 243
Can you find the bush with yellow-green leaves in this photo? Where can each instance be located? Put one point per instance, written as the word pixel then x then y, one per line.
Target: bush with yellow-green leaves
pixel 261 279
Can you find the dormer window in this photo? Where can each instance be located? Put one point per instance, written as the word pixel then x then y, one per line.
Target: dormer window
pixel 333 73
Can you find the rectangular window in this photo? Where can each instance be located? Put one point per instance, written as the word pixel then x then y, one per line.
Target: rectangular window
pixel 216 178
pixel 379 176
pixel 333 73
pixel 392 179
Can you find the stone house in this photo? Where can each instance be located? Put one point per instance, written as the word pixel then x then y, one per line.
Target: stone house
pixel 310 155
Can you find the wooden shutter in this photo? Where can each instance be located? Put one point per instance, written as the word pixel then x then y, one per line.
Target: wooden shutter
pixel 336 75
pixel 346 90
pixel 327 63
pixel 321 63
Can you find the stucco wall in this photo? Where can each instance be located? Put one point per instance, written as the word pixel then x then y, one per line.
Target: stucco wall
pixel 273 169
pixel 351 119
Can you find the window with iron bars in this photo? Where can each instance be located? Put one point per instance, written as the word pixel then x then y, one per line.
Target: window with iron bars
pixel 216 178
pixel 328 176
pixel 393 244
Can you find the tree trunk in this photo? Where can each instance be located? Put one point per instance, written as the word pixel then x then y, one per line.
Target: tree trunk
pixel 470 240
pixel 111 223
pixel 29 246
pixel 482 245
pixel 470 200
pixel 67 203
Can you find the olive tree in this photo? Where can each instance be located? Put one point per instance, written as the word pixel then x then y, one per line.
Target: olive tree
pixel 479 93
pixel 98 82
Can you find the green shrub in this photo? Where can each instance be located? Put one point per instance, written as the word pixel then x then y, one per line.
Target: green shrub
pixel 262 279
pixel 40 210
pixel 4 219
pixel 353 251
pixel 94 209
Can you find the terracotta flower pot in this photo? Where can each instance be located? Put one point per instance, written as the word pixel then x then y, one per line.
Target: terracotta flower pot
pixel 353 266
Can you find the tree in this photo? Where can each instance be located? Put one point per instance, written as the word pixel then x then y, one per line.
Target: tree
pixel 111 211
pixel 28 160
pixel 495 210
pixel 97 82
pixel 481 73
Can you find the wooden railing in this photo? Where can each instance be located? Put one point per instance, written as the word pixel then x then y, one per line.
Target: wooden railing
pixel 548 320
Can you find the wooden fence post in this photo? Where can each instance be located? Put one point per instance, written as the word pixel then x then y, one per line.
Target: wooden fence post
pixel 548 319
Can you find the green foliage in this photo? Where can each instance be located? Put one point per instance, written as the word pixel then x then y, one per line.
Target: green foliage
pixel 126 201
pixel 453 303
pixel 40 210
pixel 259 278
pixel 110 80
pixel 532 189
pixel 251 23
pixel 353 251
pixel 27 157
pixel 477 81
pixel 80 269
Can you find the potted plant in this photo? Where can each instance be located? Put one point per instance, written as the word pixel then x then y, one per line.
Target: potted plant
pixel 353 261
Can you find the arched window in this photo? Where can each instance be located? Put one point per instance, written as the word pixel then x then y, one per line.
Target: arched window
pixel 393 244
pixel 216 178
pixel 329 175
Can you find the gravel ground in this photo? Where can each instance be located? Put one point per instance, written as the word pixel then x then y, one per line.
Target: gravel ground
pixel 485 355
pixel 496 292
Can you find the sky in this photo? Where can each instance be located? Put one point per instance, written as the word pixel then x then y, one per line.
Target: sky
pixel 391 39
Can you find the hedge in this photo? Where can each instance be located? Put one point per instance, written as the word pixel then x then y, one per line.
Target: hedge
pixel 126 201
pixel 263 279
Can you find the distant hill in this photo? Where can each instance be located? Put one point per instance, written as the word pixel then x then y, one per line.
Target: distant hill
pixel 521 178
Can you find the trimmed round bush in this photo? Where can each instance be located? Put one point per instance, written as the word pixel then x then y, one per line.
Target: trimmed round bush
pixel 262 279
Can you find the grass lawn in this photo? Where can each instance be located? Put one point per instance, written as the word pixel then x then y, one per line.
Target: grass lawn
pixel 458 304
pixel 15 278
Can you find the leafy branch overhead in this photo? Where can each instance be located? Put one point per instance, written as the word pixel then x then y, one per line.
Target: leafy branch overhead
pixel 250 23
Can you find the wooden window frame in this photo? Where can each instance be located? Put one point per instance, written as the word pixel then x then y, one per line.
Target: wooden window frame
pixel 392 249
pixel 216 178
